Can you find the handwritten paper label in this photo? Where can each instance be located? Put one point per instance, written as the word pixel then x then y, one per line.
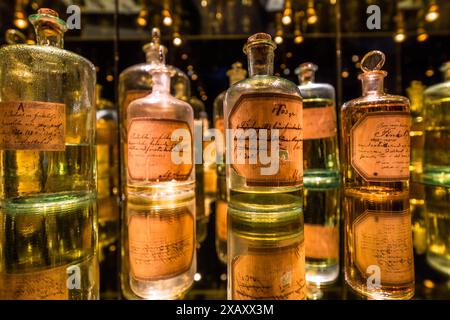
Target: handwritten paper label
pixel 322 242
pixel 270 274
pixel 161 246
pixel 221 219
pixel 380 147
pixel 384 239
pixel 150 147
pixel 49 284
pixel 32 125
pixel 269 111
pixel 319 123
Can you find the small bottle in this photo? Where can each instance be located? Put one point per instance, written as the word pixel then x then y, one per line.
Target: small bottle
pixel 107 169
pixel 47 149
pixel 159 148
pixel 136 82
pixel 266 255
pixel 322 216
pixel 159 216
pixel 320 138
pixel 182 88
pixel 437 213
pixel 235 74
pixel 221 219
pixel 436 119
pixel 264 145
pixel 379 259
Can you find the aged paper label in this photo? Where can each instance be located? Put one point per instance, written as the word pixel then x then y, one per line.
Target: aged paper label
pixel 322 242
pixel 221 219
pixel 49 284
pixel 270 274
pixel 384 239
pixel 319 123
pixel 150 147
pixel 160 246
pixel 380 147
pixel 130 96
pixel 32 125
pixel 269 111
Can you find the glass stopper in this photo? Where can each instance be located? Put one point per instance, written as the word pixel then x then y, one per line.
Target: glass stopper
pixel 373 61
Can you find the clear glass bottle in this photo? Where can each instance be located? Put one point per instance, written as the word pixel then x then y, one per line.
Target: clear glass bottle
pixel 375 160
pixel 263 101
pixel 235 74
pixel 158 257
pixel 320 137
pixel 437 207
pixel 436 163
pixel 107 169
pixel 322 216
pixel 48 212
pixel 266 255
pixel 182 88
pixel 136 82
pixel 221 219
pixel 416 188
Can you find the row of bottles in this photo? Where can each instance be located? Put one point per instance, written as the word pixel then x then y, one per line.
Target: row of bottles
pixel 272 166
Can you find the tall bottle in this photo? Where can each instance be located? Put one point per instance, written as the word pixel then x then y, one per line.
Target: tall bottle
pixel 320 142
pixel 158 258
pixel 436 161
pixel 416 187
pixel 264 147
pixel 48 233
pixel 235 74
pixel 107 193
pixel 376 151
pixel 182 87
pixel 221 219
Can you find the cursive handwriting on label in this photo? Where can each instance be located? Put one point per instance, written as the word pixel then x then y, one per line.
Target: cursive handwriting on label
pixel 269 111
pixel 150 148
pixel 32 125
pixel 380 146
pixel 270 274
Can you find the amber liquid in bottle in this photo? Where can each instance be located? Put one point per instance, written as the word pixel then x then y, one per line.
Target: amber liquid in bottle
pixel 376 152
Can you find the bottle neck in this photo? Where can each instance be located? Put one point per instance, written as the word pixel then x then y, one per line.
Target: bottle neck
pixel 161 82
pixel 48 36
pixel 373 83
pixel 260 60
pixel 306 77
pixel 152 56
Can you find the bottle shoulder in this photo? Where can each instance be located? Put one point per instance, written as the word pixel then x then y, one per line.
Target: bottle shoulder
pixel 437 90
pixel 370 100
pixel 262 84
pixel 35 55
pixel 156 101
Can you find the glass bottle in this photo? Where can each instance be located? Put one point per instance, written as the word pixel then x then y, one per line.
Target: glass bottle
pixel 48 218
pixel 264 111
pixel 158 259
pixel 437 207
pixel 436 163
pixel 107 169
pixel 136 82
pixel 320 139
pixel 376 153
pixel 182 88
pixel 416 187
pixel 235 74
pixel 266 255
